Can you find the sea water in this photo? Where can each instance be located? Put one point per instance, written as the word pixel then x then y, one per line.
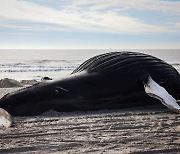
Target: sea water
pixel 35 64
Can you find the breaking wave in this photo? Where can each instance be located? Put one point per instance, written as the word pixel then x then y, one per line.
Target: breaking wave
pixel 39 66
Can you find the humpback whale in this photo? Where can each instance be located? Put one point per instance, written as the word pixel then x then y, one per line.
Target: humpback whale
pixel 108 81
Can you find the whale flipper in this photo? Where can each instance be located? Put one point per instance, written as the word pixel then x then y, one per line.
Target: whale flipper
pixel 156 91
pixel 5 118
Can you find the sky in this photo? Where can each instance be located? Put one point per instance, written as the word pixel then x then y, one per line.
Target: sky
pixel 89 24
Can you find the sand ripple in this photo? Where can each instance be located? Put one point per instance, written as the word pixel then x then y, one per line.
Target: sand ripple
pixel 97 132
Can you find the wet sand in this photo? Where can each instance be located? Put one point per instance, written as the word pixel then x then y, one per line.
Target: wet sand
pixel 152 129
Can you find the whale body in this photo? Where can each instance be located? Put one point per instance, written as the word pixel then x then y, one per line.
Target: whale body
pixel 108 81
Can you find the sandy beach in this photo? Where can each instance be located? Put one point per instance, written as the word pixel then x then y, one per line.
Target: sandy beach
pixel 152 129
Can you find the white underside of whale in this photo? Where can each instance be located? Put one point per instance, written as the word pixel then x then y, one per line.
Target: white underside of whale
pixel 155 90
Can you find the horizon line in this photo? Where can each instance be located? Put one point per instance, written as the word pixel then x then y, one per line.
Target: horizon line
pixel 88 48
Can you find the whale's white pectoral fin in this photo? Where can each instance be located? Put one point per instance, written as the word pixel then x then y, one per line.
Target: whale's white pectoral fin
pixel 155 90
pixel 5 118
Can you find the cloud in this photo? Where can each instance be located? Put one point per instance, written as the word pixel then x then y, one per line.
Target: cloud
pixel 102 16
pixel 170 7
pixel 177 25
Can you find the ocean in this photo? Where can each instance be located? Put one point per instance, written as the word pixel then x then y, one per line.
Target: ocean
pixel 34 64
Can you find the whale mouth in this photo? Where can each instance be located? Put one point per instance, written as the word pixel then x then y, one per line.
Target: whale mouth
pixel 154 90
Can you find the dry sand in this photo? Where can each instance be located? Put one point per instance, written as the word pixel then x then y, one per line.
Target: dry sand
pixel 136 130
